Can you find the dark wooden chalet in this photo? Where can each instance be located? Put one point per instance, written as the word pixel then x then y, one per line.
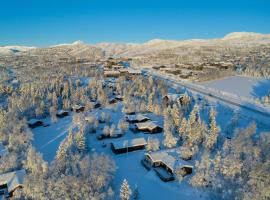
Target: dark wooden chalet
pixel 125 146
pixel 33 123
pixel 147 127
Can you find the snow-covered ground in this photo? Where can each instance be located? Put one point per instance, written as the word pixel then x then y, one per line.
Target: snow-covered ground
pixel 47 140
pixel 241 85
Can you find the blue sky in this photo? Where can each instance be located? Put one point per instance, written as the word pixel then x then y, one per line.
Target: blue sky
pixel 47 22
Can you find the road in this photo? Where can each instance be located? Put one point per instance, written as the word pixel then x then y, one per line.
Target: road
pixel 226 97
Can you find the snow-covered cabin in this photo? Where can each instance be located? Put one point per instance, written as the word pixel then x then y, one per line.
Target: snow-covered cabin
pixel 33 123
pixel 110 73
pixel 78 108
pixel 62 113
pixel 115 99
pixel 136 118
pixel 116 134
pixel 117 67
pixel 11 181
pixel 3 151
pixel 124 146
pixel 147 126
pixel 169 161
pixel 134 72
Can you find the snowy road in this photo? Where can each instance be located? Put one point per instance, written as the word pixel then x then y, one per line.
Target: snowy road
pixel 233 99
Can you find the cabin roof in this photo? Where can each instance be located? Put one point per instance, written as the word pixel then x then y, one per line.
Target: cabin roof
pixel 12 179
pixel 111 72
pixel 138 117
pixel 77 106
pixel 120 144
pixel 134 71
pixel 168 157
pixel 33 121
pixel 60 112
pixel 147 125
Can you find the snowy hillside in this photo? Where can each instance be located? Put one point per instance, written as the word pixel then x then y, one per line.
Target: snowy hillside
pixel 7 50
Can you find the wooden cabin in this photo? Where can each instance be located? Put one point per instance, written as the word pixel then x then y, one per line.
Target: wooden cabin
pixel 78 108
pixel 9 182
pixel 136 118
pixel 115 99
pixel 124 146
pixel 117 134
pixel 166 163
pixel 148 127
pixel 110 73
pixel 133 74
pixel 62 113
pixel 33 123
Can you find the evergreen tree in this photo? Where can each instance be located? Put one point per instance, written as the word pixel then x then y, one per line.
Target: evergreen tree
pixel 183 127
pixel 80 141
pixel 213 132
pixel 125 191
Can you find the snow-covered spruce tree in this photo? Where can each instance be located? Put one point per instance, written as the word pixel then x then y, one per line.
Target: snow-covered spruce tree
pixel 125 191
pixel 151 102
pixel 106 130
pixel 61 152
pixel 152 144
pixel 112 129
pixel 53 112
pixel 214 130
pixel 183 128
pixel 169 140
pixel 203 172
pixel 194 116
pixel 81 141
pixel 176 115
pixel 123 125
pixel 40 110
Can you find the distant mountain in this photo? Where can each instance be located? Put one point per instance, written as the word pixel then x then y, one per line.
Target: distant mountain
pixel 79 48
pixel 246 36
pixel 7 50
pixel 76 49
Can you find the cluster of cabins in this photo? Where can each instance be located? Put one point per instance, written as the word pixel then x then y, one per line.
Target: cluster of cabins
pixel 119 70
pixel 33 123
pixel 164 162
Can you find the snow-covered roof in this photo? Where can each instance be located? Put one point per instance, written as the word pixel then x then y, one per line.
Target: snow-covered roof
pixel 147 125
pixel 3 150
pixel 60 112
pixel 12 179
pixel 168 157
pixel 33 121
pixel 129 143
pixel 138 117
pixel 90 118
pixel 77 106
pixel 134 71
pixel 111 72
